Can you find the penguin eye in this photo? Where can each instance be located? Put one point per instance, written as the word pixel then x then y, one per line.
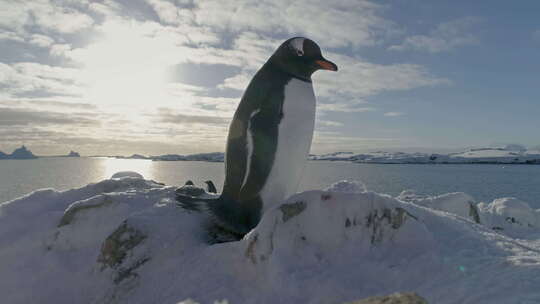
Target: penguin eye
pixel 299 52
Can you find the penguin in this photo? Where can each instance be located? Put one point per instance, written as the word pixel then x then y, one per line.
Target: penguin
pixel 269 137
pixel 210 187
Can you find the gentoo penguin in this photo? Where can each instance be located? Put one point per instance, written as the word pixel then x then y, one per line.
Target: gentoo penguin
pixel 210 187
pixel 269 137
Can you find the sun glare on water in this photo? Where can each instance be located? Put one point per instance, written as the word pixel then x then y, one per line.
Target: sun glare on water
pixel 113 165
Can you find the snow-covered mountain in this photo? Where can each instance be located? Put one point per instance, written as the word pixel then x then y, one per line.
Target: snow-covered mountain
pixel 210 157
pixel 504 155
pixel 125 240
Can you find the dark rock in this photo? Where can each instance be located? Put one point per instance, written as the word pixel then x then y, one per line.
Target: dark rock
pixel 396 298
pixel 474 213
pixel 74 209
pixel 117 247
pixel 291 210
pixel 190 190
pixel 394 217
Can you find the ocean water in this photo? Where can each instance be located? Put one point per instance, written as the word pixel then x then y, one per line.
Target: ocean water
pixel 483 182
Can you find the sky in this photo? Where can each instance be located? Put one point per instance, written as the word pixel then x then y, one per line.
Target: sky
pixel 117 77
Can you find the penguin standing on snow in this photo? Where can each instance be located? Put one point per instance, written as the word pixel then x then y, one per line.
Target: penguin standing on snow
pixel 269 137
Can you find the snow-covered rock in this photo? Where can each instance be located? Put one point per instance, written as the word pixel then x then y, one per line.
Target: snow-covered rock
pixel 457 203
pixel 347 186
pixel 125 240
pixel 397 298
pixel 509 214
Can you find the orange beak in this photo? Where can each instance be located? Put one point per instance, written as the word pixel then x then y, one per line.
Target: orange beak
pixel 326 65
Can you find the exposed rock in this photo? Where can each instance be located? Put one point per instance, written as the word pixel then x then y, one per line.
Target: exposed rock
pixel 376 220
pixel 117 247
pixel 77 207
pixel 396 298
pixel 292 210
pixel 190 190
pixel 318 224
pixel 474 213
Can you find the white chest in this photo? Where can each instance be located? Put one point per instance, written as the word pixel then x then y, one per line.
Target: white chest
pixel 293 144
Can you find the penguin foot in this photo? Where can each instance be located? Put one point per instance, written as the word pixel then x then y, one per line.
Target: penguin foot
pixel 218 233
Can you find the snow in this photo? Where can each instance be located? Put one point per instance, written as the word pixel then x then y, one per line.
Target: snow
pixel 125 240
pixel 511 215
pixel 347 186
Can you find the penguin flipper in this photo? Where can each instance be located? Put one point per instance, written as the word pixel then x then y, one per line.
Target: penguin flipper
pixel 224 225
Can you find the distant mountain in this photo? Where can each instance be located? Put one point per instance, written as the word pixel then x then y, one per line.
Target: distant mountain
pixel 510 154
pixel 19 153
pixel 209 157
pixel 73 154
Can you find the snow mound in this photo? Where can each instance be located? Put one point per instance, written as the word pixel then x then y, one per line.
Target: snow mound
pixel 509 214
pixel 331 221
pixel 127 241
pixel 457 203
pixel 347 186
pixel 123 174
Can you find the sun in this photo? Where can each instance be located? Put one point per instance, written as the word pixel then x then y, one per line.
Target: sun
pixel 127 66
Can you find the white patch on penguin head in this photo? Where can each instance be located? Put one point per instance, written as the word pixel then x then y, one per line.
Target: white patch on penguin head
pixel 298 45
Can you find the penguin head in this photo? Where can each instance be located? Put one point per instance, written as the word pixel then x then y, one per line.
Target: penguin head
pixel 301 57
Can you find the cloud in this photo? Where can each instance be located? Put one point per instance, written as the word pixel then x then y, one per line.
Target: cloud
pixel 333 23
pixel 41 104
pixel 445 37
pixel 331 141
pixel 41 40
pixel 169 116
pixel 345 107
pixel 9 35
pixel 324 124
pixel 20 16
pixel 20 117
pixel 393 114
pixel 29 78
pixel 108 61
pixel 237 82
pixel 357 79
